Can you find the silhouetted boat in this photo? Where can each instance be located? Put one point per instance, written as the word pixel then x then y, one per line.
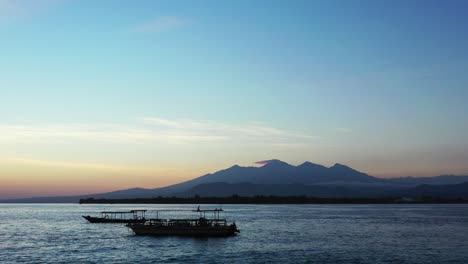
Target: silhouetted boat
pixel 201 226
pixel 136 216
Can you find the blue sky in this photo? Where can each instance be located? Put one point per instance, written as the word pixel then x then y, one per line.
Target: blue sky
pixel 194 86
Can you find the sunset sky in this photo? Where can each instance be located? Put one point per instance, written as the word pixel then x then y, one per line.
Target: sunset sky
pixel 104 95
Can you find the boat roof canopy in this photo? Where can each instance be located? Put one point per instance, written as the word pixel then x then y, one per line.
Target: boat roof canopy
pixel 208 210
pixel 165 210
pixel 189 210
pixel 122 212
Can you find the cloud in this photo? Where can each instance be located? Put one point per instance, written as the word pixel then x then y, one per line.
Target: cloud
pixel 161 24
pixel 12 10
pixel 264 162
pixel 156 130
pixel 245 132
pixel 110 133
pixel 81 165
pixel 344 130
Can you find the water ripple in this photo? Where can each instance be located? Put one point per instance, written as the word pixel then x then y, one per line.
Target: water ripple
pixel 56 233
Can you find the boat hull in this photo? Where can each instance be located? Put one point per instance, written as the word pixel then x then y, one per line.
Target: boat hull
pixel 93 219
pixel 152 230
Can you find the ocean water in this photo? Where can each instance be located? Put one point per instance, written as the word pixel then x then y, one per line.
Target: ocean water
pixel 56 233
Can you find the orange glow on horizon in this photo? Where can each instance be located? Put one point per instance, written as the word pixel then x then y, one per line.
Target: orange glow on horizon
pixel 22 178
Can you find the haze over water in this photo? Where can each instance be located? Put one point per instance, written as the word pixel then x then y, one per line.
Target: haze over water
pixel 416 234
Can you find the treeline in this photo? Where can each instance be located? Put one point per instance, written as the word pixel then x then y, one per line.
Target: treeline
pixel 260 199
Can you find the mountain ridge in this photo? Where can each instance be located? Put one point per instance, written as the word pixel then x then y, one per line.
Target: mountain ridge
pixel 274 172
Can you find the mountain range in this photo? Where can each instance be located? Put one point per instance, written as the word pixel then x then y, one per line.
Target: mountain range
pixel 276 177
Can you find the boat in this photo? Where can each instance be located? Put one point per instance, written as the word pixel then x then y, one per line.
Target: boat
pixel 126 217
pixel 200 226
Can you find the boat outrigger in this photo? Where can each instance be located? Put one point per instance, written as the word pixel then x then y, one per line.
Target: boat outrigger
pixel 201 226
pixel 136 216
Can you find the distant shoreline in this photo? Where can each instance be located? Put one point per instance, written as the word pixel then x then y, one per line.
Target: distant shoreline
pixel 273 200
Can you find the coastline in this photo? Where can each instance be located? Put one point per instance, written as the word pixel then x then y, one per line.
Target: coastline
pixel 273 200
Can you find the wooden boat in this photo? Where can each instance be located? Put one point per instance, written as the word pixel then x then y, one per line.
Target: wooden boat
pixel 200 226
pixel 126 217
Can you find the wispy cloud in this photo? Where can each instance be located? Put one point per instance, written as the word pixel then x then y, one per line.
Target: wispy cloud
pixel 344 130
pixel 263 162
pixel 152 129
pixel 162 24
pixel 94 132
pixel 11 10
pixel 82 165
pixel 249 131
pixel 47 132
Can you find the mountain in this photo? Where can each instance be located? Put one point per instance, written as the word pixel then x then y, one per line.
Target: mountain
pixel 437 180
pixel 128 193
pixel 221 189
pixel 452 191
pixel 276 177
pixel 279 172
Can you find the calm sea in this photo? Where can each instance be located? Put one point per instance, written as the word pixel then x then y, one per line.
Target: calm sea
pixel 56 233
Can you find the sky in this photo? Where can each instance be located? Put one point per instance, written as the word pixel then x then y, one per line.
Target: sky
pixel 104 95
